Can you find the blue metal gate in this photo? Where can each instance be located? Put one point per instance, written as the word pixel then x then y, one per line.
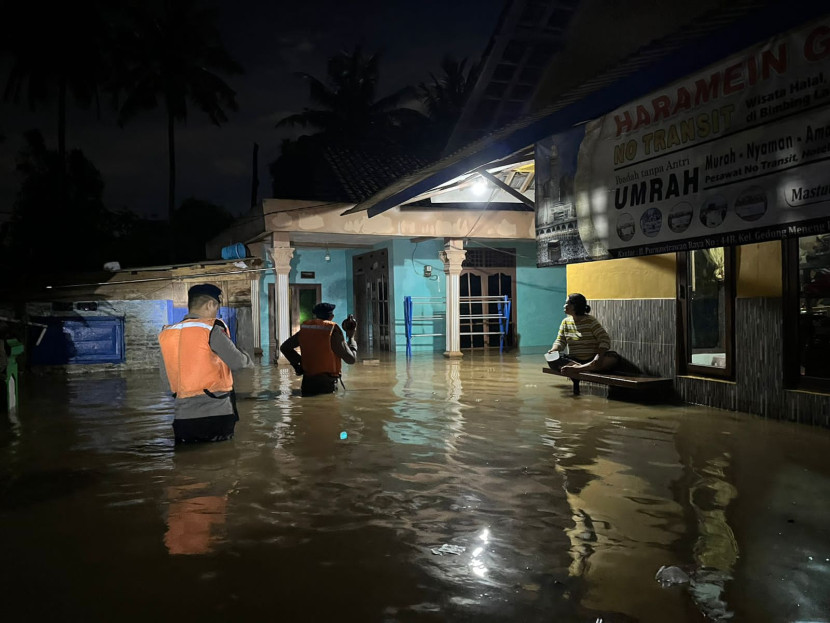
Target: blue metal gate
pixel 78 340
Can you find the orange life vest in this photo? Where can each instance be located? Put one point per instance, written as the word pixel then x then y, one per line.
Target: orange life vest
pixel 191 366
pixel 315 344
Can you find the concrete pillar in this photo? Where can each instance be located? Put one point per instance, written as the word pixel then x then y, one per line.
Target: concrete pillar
pixel 255 314
pixel 282 254
pixel 452 256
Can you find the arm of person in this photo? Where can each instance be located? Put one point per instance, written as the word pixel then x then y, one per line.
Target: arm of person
pixel 289 350
pixel 221 344
pixel 347 351
pixel 603 343
pixel 561 341
pixel 165 381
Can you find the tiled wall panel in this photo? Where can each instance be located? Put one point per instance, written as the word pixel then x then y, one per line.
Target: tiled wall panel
pixel 644 332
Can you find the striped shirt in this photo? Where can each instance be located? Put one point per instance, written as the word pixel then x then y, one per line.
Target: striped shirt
pixel 583 335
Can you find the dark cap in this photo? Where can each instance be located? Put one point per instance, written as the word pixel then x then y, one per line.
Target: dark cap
pixel 204 289
pixel 323 310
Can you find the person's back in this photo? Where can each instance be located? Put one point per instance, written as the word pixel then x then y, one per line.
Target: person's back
pixel 198 357
pixel 323 348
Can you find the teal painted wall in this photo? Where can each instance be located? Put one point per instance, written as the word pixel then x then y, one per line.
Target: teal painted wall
pixel 408 261
pixel 539 294
pixel 335 278
pixel 539 291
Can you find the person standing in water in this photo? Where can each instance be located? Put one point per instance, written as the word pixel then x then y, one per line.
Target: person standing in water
pixel 323 347
pixel 198 357
pixel 586 339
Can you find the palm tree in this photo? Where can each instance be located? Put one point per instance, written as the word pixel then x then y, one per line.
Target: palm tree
pixel 173 56
pixel 347 108
pixel 444 98
pixel 56 50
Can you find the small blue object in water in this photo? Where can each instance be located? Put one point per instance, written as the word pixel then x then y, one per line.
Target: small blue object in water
pixel 343 435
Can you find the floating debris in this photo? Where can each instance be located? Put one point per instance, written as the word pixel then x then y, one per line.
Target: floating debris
pixel 671 575
pixel 448 549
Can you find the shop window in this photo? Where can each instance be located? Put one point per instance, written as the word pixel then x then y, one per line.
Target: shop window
pixel 706 311
pixel 806 331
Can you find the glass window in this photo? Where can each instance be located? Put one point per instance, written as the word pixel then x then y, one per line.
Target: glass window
pixel 807 311
pixel 706 310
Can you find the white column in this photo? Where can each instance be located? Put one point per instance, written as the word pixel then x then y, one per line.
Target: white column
pixel 255 313
pixel 452 256
pixel 282 266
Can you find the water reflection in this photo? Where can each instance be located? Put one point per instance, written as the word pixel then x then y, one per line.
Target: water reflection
pixel 193 521
pixel 551 508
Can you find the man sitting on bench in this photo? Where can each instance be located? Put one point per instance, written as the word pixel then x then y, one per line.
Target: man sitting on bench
pixel 587 341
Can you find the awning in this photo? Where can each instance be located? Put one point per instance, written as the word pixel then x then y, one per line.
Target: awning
pixel 724 32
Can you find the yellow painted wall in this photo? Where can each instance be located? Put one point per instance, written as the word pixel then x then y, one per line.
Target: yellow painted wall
pixel 655 276
pixel 759 270
pixel 651 277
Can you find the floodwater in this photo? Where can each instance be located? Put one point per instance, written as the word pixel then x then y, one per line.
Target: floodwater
pixel 473 490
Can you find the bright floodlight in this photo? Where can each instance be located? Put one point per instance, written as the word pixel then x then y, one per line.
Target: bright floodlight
pixel 480 186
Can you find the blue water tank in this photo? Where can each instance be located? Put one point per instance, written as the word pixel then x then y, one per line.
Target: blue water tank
pixel 234 252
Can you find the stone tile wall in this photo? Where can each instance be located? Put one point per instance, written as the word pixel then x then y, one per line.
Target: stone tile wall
pixel 644 332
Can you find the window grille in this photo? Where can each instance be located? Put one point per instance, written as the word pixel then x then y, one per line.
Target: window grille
pixel 490 258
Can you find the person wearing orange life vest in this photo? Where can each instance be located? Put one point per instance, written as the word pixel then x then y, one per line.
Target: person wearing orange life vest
pixel 323 347
pixel 198 357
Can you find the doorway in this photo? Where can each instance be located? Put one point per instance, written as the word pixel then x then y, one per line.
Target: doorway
pixel 371 299
pixel 487 272
pixel 302 298
pixel 484 331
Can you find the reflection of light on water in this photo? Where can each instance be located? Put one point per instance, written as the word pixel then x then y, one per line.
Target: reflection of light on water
pixel 477 565
pixel 453 381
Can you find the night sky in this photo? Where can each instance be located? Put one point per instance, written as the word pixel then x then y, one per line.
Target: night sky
pixel 271 41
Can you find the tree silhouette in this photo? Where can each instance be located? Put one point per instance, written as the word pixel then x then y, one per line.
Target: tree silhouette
pixel 347 108
pixel 444 99
pixel 73 238
pixel 172 57
pixel 56 51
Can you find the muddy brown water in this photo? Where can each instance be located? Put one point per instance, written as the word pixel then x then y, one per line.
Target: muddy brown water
pixel 565 507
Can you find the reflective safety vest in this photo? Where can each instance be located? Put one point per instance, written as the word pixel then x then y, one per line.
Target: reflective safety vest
pixel 315 344
pixel 191 366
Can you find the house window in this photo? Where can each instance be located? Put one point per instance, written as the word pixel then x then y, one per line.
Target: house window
pixel 706 311
pixel 806 332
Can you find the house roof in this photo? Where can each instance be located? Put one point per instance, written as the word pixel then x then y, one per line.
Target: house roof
pixel 362 172
pixel 722 31
pixel 317 168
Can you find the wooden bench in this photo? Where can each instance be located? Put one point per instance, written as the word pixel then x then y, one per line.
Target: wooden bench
pixel 629 381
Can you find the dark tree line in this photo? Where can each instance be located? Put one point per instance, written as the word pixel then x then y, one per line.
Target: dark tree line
pixel 132 56
pixel 135 56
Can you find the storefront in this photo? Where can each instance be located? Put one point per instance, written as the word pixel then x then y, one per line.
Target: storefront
pixel 727 170
pixel 687 191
